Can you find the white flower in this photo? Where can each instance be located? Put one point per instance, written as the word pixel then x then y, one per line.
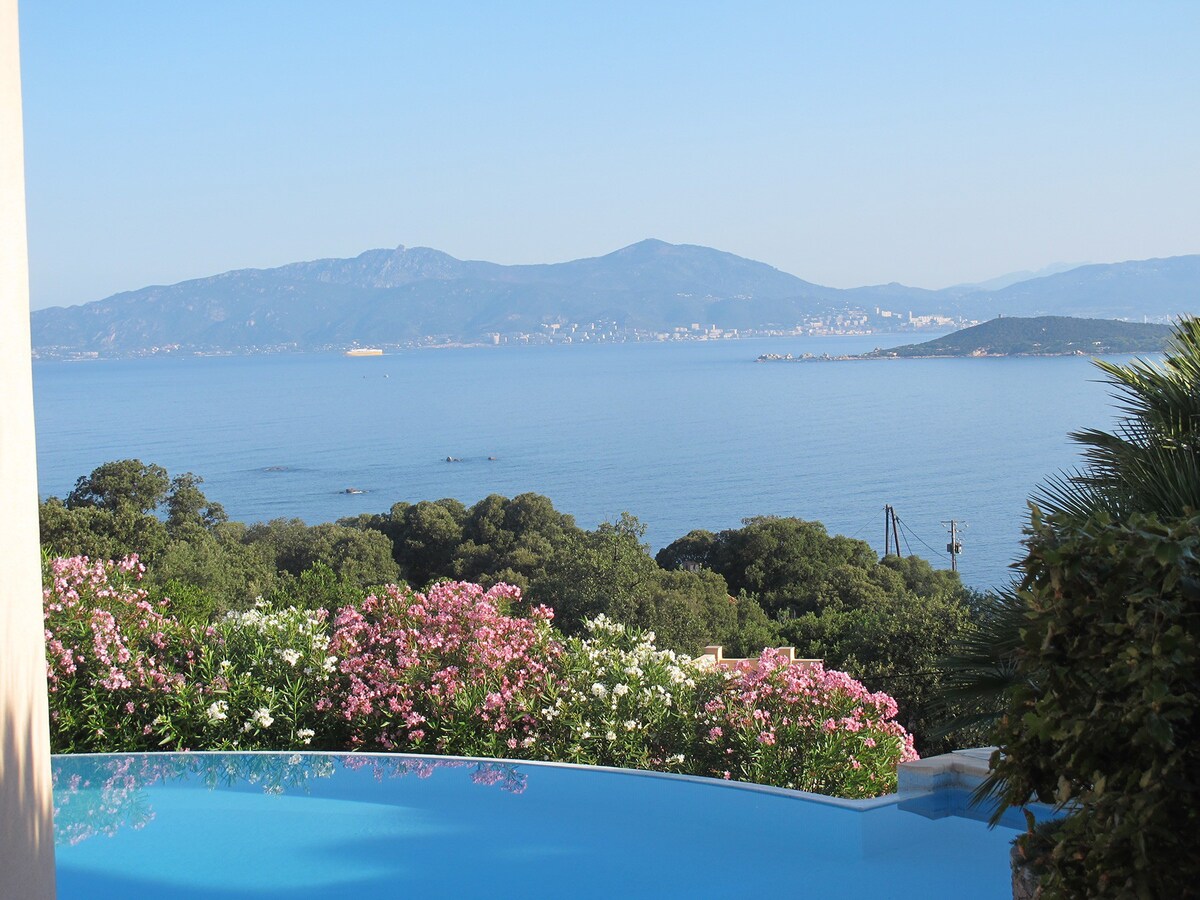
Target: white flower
pixel 218 711
pixel 261 718
pixel 330 663
pixel 620 689
pixel 631 725
pixel 611 736
pixel 306 735
pixel 290 656
pixel 599 690
pixel 675 674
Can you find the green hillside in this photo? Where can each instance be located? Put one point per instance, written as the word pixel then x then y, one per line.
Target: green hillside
pixel 1040 336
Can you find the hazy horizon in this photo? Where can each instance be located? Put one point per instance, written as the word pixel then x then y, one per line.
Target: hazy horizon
pixel 932 145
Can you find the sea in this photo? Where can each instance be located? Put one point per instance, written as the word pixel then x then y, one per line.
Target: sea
pixel 683 435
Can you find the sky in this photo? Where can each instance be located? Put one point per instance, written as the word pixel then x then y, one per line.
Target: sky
pixel 930 143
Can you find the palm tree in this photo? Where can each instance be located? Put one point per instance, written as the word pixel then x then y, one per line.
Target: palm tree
pixel 1149 463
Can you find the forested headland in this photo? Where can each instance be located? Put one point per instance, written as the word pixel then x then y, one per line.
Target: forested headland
pixel 772 582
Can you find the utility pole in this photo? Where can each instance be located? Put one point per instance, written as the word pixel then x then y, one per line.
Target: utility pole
pixel 954 547
pixel 891 531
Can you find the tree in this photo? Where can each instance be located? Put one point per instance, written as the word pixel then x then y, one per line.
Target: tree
pixel 114 511
pixel 121 486
pixel 512 540
pixel 359 557
pixel 784 562
pixel 1104 711
pixel 886 622
pixel 692 551
pixel 888 626
pixel 1150 463
pixel 188 508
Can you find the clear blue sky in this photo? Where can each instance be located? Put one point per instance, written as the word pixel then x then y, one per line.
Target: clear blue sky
pixel 847 143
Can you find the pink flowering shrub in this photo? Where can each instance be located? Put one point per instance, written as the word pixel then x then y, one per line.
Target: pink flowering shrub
pixel 450 671
pixel 114 660
pixel 447 671
pixel 799 726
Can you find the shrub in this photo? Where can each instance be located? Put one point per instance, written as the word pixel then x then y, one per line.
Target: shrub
pixel 799 726
pixel 1106 714
pixel 622 702
pixel 114 660
pixel 256 683
pixel 447 671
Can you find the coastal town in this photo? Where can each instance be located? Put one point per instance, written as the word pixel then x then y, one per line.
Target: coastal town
pixel 844 322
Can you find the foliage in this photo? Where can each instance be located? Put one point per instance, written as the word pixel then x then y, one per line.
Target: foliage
pixel 1106 716
pixel 980 669
pixel 886 622
pixel 889 626
pixel 201 561
pixel 622 701
pixel 125 485
pixel 257 683
pixel 799 726
pixel 783 562
pixel 361 558
pixel 447 671
pixel 114 661
pixel 450 670
pixel 1151 461
pixel 1101 711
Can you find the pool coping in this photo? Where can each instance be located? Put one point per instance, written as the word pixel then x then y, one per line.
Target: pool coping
pixel 921 782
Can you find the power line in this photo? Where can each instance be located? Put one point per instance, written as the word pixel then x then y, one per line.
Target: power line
pixel 908 531
pixel 861 528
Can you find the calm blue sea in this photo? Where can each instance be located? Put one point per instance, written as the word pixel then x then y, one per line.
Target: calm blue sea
pixel 689 435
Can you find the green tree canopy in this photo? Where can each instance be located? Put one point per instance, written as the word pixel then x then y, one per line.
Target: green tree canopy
pixel 124 485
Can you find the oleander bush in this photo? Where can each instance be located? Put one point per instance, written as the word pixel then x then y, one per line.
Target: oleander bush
pixel 115 661
pixel 455 671
pixel 799 726
pixel 447 671
pixel 623 702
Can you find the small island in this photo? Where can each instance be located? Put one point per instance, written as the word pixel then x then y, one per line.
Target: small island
pixel 1012 336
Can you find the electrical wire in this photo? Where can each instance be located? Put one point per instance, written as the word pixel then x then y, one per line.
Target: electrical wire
pixel 862 528
pixel 908 530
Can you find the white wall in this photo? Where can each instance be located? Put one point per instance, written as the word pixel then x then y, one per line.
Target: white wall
pixel 26 830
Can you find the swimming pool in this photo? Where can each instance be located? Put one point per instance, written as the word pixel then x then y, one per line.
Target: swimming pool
pixel 309 825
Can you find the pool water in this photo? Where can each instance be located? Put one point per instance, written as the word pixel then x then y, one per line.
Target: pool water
pixel 265 825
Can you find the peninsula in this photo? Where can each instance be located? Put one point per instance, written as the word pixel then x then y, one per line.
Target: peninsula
pixel 1014 336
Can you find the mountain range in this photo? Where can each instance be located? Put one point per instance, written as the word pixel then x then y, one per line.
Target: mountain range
pixel 408 295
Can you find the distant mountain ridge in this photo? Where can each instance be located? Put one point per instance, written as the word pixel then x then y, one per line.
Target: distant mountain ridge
pixel 394 297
